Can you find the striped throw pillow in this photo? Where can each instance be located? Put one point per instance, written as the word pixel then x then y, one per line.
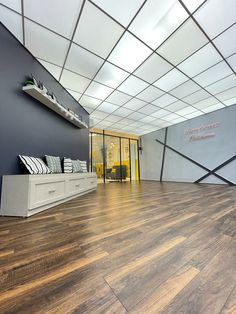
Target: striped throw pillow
pixel 68 167
pixel 54 164
pixel 84 165
pixel 76 166
pixel 34 165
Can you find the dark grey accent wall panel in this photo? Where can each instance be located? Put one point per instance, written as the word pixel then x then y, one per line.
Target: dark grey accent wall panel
pixel 27 126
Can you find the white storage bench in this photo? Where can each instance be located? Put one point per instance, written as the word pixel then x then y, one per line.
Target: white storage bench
pixel 26 195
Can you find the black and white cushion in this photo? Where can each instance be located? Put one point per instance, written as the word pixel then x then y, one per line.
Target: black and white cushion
pixel 76 166
pixel 84 165
pixel 34 165
pixel 54 164
pixel 68 167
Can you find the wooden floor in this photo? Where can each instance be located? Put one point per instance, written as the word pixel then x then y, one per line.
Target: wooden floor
pixel 137 248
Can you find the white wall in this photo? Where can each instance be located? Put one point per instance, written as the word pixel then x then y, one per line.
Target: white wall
pixel 209 152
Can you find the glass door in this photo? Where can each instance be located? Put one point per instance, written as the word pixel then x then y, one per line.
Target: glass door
pixel 125 159
pixel 97 156
pixel 112 153
pixel 134 160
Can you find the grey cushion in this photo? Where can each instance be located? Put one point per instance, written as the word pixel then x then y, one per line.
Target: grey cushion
pixel 77 166
pixel 54 164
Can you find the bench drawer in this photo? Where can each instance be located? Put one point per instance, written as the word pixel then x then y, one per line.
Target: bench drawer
pixel 44 193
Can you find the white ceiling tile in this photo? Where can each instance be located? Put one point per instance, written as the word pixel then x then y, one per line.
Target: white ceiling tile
pixel 129 53
pixel 98 91
pixel 227 94
pixel 176 106
pixel 113 118
pixel 126 121
pixel 226 42
pixel 193 114
pixel 15 5
pixel 178 120
pixel 200 60
pixel 232 61
pixel 123 112
pixel 148 119
pixel 196 97
pixel 12 21
pixel 153 68
pixel 192 5
pixel 206 103
pixel 132 85
pixel 74 94
pixel 150 94
pixel 74 81
pixel 107 107
pixel 184 42
pixel 118 98
pixel 103 124
pixel 216 15
pixel 52 13
pixel 222 85
pixel 147 127
pixel 171 80
pixel 83 62
pixel 136 124
pixel 93 121
pixel 230 102
pixel 135 104
pixel 185 111
pixel 185 89
pixel 89 102
pixel 111 75
pixel 89 110
pixel 136 116
pixel 170 117
pixel 127 128
pixel 157 122
pixel 164 101
pixel 148 109
pixel 215 73
pixel 165 124
pixel 157 20
pixel 45 44
pixel 53 69
pixel 213 108
pixel 96 31
pixel 99 114
pixel 116 10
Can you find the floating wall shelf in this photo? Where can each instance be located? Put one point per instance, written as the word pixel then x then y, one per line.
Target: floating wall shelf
pixel 37 93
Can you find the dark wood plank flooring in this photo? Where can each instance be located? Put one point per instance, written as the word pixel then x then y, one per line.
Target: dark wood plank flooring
pixel 136 248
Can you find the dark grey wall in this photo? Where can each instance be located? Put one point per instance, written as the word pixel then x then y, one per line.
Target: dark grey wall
pixel 209 152
pixel 26 126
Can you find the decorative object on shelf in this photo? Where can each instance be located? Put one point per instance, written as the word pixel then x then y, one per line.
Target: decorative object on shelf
pixel 34 80
pixel 43 88
pixel 47 100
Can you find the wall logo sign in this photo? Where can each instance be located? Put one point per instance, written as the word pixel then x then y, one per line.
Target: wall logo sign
pixel 201 133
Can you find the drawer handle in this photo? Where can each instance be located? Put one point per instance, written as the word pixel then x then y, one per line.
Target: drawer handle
pixel 52 191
